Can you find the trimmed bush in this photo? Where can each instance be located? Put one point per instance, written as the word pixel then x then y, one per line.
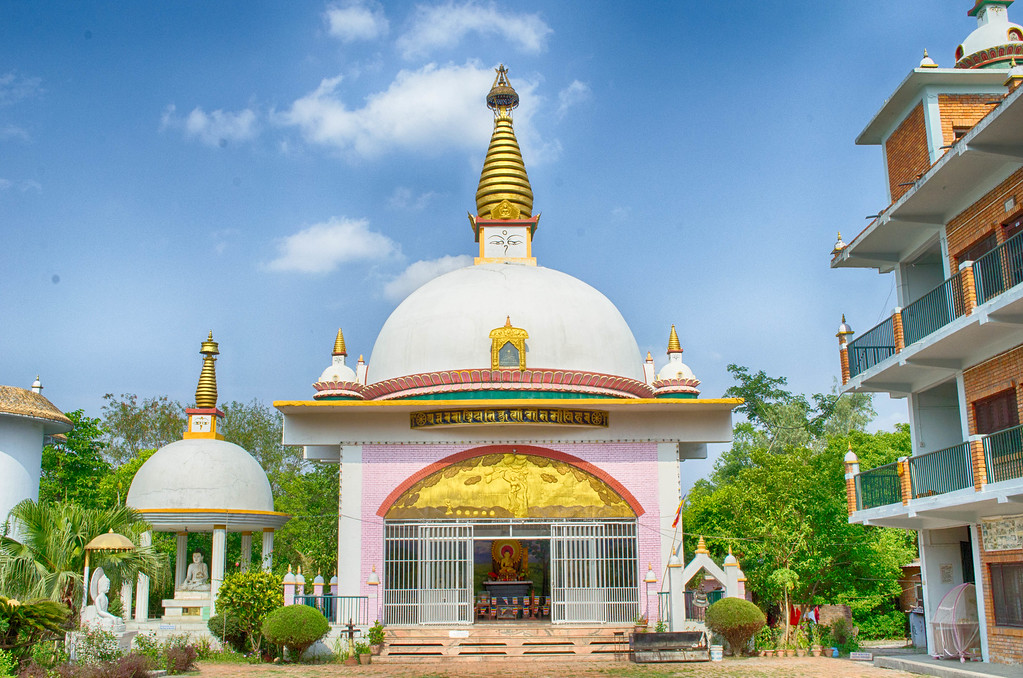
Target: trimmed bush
pixel 296 627
pixel 249 597
pixel 737 620
pixel 228 631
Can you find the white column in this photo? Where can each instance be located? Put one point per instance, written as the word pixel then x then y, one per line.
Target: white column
pixel 142 595
pixel 978 581
pixel 126 591
pixel 246 551
pixel 268 548
pixel 180 559
pixel 217 564
pixel 678 593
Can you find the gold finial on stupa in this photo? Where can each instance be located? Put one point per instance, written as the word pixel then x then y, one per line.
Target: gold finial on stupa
pixel 339 344
pixel 701 546
pixel 673 344
pixel 504 191
pixel 206 391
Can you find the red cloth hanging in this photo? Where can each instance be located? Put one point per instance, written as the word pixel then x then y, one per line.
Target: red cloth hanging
pixel 794 616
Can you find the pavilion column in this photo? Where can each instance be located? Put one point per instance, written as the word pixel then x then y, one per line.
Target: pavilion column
pixel 268 548
pixel 678 593
pixel 246 551
pixel 180 559
pixel 142 596
pixel 217 564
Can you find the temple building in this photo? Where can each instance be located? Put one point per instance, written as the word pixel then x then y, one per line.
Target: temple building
pixel 952 142
pixel 506 441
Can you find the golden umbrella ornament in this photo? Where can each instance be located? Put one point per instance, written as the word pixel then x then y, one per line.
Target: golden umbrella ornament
pixel 111 541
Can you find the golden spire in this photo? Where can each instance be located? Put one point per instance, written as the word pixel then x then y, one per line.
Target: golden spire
pixel 206 391
pixel 339 344
pixel 701 546
pixel 673 345
pixel 504 173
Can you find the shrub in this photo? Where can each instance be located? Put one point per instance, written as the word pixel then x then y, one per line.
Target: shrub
pixel 249 597
pixel 22 625
pixel 845 636
pixel 8 664
pixel 882 625
pixel 94 645
pixel 146 644
pixel 228 631
pixel 376 633
pixel 735 619
pixel 130 666
pixel 179 658
pixel 296 627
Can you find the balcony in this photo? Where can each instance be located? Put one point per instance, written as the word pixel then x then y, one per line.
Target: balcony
pixel 941 484
pixel 971 316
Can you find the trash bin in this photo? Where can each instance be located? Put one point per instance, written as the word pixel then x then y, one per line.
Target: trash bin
pixel 917 628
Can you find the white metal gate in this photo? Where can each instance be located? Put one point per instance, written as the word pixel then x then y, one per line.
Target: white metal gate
pixel 594 572
pixel 428 574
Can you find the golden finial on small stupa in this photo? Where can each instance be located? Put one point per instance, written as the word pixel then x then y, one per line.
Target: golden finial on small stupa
pixel 507 321
pixel 504 191
pixel 339 344
pixel 649 357
pixel 673 345
pixel 206 391
pixel 701 546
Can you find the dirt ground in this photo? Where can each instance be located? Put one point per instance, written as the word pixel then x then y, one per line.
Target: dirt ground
pixel 802 667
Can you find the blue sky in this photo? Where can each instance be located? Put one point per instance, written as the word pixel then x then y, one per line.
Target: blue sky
pixel 272 171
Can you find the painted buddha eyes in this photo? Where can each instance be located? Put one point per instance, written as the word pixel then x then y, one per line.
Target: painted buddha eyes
pixel 506 240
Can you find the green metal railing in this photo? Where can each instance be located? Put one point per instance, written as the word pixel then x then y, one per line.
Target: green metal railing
pixel 933 310
pixel 878 487
pixel 1003 454
pixel 999 270
pixel 941 471
pixel 871 347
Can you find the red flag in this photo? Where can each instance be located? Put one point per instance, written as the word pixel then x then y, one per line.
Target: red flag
pixel 678 513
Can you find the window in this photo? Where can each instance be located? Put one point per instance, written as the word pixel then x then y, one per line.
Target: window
pixel 1007 593
pixel 996 412
pixel 1012 227
pixel 978 249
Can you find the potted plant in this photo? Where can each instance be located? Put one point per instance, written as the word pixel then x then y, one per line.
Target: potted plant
pixel 362 652
pixel 802 642
pixel 639 624
pixel 815 639
pixel 375 635
pixel 763 642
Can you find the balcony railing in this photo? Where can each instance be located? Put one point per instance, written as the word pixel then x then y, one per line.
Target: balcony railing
pixel 1003 454
pixel 934 310
pixel 872 347
pixel 941 471
pixel 878 487
pixel 339 609
pixel 999 270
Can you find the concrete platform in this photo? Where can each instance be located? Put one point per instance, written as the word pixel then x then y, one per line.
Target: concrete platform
pixel 948 668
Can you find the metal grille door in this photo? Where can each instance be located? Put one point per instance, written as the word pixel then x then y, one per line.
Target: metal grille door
pixel 428 574
pixel 445 574
pixel 594 572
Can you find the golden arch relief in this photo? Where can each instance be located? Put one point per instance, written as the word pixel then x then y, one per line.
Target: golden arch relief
pixel 508 485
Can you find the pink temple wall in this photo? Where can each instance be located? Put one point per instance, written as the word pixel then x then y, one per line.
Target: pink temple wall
pixel 633 465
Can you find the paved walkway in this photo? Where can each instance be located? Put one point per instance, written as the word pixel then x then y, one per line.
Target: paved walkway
pixel 795 667
pixel 948 668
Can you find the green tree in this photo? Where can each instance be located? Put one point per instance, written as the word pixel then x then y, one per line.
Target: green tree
pixel 248 597
pixel 114 486
pixel 45 555
pixel 133 426
pixel 309 539
pixel 72 468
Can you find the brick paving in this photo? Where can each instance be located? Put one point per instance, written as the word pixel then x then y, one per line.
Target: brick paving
pixel 795 667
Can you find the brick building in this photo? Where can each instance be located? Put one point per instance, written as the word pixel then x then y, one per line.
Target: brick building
pixel 952 142
pixel 506 440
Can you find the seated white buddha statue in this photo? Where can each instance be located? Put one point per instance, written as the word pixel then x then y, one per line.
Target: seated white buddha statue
pixel 197 577
pixel 98 614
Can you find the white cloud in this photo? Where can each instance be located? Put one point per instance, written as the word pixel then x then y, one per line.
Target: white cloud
pixel 321 248
pixel 216 128
pixel 575 93
pixel 421 272
pixel 443 26
pixel 428 109
pixel 404 199
pixel 15 88
pixel 14 132
pixel 351 21
pixel 24 185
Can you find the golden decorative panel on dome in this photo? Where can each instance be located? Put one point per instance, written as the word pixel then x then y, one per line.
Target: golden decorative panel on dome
pixel 508 347
pixel 507 485
pixel 508 415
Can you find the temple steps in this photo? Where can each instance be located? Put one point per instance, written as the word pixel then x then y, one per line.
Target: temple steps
pixel 487 641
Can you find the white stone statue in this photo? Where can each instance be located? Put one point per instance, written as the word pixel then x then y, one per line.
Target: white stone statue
pixel 197 577
pixel 97 613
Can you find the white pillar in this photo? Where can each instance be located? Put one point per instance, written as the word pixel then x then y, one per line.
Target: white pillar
pixel 268 548
pixel 678 593
pixel 142 595
pixel 246 551
pixel 126 591
pixel 180 559
pixel 978 581
pixel 217 564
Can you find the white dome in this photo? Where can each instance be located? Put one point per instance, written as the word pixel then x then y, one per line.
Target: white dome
pixel 338 371
pixel 675 369
pixel 992 30
pixel 446 324
pixel 201 473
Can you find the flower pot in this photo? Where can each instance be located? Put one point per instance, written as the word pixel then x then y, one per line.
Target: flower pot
pixel 365 658
pixel 351 661
pixel 375 650
pixel 817 650
pixel 789 652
